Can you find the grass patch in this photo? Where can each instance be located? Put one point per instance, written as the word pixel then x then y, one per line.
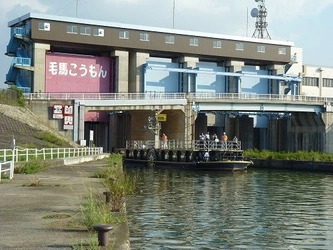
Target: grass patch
pixel 94 210
pixel 4 175
pixel 117 182
pixel 32 167
pixel 298 155
pixel 91 243
pixel 56 216
pixel 51 138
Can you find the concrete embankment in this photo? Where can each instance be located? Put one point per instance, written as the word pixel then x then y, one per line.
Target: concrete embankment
pixel 293 165
pixel 39 217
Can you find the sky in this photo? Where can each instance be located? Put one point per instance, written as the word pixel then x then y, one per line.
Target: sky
pixel 307 23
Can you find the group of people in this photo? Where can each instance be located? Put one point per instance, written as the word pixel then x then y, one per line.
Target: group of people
pixel 223 141
pixel 204 138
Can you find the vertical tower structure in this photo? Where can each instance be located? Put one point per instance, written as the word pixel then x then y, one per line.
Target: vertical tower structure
pixel 260 14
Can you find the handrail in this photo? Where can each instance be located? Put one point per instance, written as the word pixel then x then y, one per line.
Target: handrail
pixel 199 96
pixel 197 145
pixel 46 153
pixel 7 166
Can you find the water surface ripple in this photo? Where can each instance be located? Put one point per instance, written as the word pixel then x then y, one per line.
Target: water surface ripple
pixel 254 209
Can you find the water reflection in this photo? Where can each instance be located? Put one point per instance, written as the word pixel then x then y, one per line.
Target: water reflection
pixel 254 209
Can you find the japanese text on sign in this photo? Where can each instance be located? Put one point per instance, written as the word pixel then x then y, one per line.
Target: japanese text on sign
pixel 73 69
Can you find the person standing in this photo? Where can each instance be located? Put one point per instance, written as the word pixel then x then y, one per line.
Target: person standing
pixel 164 141
pixel 224 140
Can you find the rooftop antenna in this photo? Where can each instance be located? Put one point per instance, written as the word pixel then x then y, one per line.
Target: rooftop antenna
pixel 173 14
pixel 76 7
pixel 260 14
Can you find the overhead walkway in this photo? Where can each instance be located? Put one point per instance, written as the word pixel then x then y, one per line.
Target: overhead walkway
pixel 201 102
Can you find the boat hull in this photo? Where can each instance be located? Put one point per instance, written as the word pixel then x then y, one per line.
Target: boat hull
pixel 209 166
pixel 215 159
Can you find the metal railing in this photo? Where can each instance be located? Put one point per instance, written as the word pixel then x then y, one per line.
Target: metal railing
pixel 27 154
pixel 105 96
pixel 7 166
pixel 197 145
pixel 199 96
pixel 22 61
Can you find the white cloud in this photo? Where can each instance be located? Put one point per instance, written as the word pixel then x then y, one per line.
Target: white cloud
pixel 286 10
pixel 204 7
pixel 7 6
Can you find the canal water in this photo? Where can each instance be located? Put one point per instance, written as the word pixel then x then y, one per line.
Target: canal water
pixel 253 209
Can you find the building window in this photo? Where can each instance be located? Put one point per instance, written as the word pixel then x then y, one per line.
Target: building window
pixel 217 44
pixel 282 51
pixel 98 32
pixel 123 34
pixel 239 46
pixel 170 39
pixel 261 48
pixel 328 82
pixel 44 26
pixel 194 42
pixel 311 81
pixel 72 29
pixel 144 37
pixel 85 31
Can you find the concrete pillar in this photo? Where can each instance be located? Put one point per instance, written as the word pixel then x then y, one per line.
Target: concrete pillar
pixel 328 121
pixel 39 58
pixel 119 126
pixel 200 125
pixel 190 117
pixel 121 70
pixel 233 84
pixel 242 127
pixel 136 64
pixel 275 86
pixel 81 123
pixel 76 122
pixel 189 79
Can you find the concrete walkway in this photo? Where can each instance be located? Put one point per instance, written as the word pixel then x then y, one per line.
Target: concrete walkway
pixel 22 208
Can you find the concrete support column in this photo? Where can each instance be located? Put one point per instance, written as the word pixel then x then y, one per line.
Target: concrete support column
pixel 121 70
pixel 81 122
pixel 275 86
pixel 188 79
pixel 242 127
pixel 190 117
pixel 136 64
pixel 328 121
pixel 233 83
pixel 39 57
pixel 200 125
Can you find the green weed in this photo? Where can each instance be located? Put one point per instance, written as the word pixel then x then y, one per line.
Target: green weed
pixel 32 167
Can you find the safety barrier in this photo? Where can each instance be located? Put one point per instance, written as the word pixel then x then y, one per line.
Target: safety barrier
pixel 27 154
pixel 7 166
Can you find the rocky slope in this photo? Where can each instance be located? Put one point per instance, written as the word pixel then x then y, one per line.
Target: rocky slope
pixel 20 123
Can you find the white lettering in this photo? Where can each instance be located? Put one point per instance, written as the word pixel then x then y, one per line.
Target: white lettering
pixel 72 69
pixel 53 68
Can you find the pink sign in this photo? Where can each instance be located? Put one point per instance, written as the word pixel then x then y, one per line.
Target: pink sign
pixel 78 73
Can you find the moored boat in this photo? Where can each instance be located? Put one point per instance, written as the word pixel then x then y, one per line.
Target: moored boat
pixel 193 155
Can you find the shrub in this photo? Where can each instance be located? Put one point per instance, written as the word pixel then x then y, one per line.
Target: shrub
pixel 298 155
pixel 94 211
pixel 32 167
pixel 117 183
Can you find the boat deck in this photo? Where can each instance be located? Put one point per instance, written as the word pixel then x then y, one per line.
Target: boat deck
pixel 195 145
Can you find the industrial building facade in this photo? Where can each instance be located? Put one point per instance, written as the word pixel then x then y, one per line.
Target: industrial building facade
pixel 53 54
